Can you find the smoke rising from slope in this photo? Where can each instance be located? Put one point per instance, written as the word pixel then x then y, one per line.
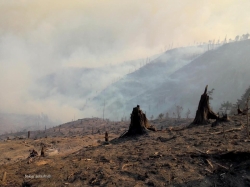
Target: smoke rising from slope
pixel 41 37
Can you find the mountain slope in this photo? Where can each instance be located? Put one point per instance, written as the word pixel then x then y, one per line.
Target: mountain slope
pixel 83 83
pixel 226 69
pixel 147 78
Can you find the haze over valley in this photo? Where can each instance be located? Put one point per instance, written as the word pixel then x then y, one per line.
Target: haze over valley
pixel 66 61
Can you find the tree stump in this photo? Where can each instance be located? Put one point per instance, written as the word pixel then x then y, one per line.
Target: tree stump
pixel 33 153
pixel 42 151
pixel 204 112
pixel 106 137
pixel 139 123
pixel 240 112
pixel 219 120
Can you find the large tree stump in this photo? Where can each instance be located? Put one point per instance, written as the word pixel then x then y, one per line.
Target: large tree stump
pixel 139 123
pixel 204 112
pixel 242 112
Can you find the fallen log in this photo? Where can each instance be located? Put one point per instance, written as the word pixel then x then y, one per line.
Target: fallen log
pixel 208 170
pixel 125 165
pixel 230 130
pixel 210 163
pixel 200 151
pixel 4 177
pixel 162 139
pixel 221 166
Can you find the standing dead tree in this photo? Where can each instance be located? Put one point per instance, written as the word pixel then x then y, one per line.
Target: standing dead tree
pixel 174 115
pixel 152 117
pixel 139 123
pixel 178 111
pixel 160 116
pixel 204 112
pixel 226 106
pixel 247 116
pixel 103 109
pixel 167 115
pixel 188 113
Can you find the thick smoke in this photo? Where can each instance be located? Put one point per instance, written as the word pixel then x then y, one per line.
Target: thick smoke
pixel 41 38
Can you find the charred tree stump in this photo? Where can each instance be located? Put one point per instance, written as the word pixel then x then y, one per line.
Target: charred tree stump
pixel 42 151
pixel 240 112
pixel 219 120
pixel 204 112
pixel 106 137
pixel 139 123
pixel 33 153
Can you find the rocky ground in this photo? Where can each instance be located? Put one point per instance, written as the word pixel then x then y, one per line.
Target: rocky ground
pixel 174 156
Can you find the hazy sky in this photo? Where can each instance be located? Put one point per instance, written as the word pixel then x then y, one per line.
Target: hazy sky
pixel 38 37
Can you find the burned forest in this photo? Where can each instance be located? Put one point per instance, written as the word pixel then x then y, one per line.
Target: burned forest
pixel 207 150
pixel 124 93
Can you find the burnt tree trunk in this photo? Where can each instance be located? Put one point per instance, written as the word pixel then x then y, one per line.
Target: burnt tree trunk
pixel 42 152
pixel 106 137
pixel 204 112
pixel 242 112
pixel 219 120
pixel 139 123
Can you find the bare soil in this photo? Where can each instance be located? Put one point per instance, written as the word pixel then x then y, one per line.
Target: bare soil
pixel 175 156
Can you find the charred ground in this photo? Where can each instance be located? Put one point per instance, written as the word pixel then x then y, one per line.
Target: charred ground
pixel 177 156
